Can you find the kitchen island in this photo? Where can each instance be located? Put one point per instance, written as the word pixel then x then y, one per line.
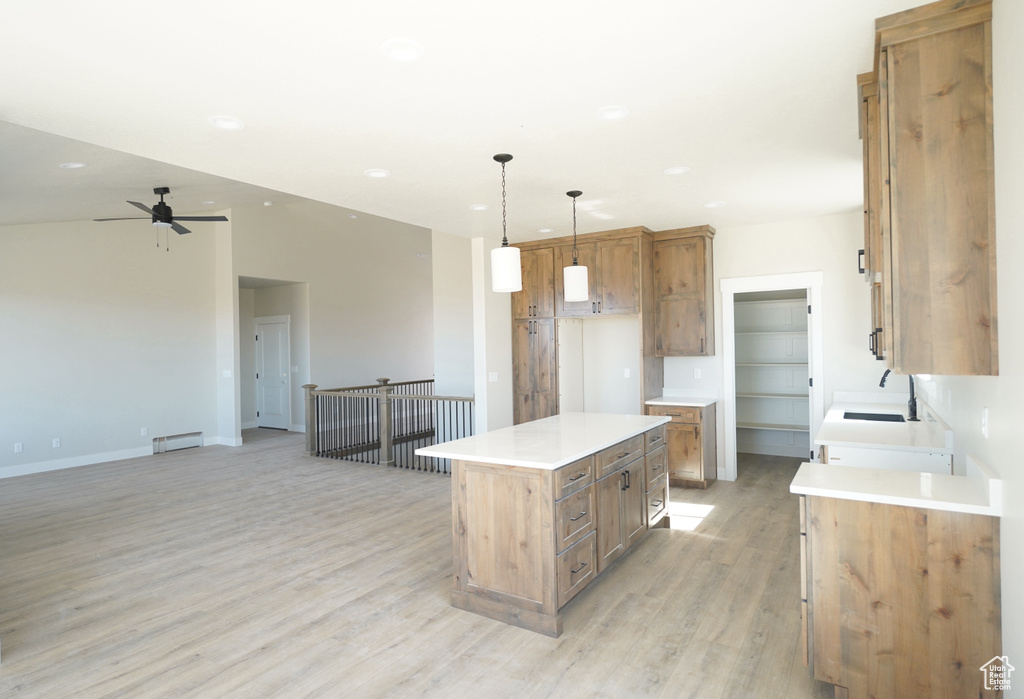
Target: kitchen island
pixel 540 509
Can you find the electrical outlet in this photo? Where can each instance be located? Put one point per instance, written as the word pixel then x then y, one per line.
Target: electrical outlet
pixel 143 432
pixel 492 377
pixel 625 373
pixel 17 447
pixel 56 442
pixel 984 422
pixel 696 372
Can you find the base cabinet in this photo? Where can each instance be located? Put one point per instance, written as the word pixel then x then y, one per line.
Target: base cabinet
pixel 899 601
pixel 692 449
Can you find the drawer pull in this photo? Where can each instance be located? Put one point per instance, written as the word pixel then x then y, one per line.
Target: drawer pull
pixel 657 503
pixel 578 476
pixel 581 514
pixel 578 569
pixel 622 455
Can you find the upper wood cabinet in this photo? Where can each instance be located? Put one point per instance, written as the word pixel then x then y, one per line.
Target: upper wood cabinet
pixel 537 299
pixel 684 321
pixel 613 270
pixel 936 204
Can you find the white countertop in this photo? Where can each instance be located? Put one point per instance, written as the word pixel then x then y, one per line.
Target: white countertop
pixel 979 492
pixel 548 443
pixel 931 434
pixel 684 401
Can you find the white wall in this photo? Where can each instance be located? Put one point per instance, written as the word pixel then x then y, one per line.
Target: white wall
pixel 290 300
pixel 370 306
pixel 104 334
pixel 828 244
pixel 960 400
pixel 453 314
pixel 492 344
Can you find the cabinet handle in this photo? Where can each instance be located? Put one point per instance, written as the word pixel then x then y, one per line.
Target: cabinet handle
pixel 581 514
pixel 627 479
pixel 656 503
pixel 581 567
pixel 871 343
pixel 578 476
pixel 702 345
pixel 622 478
pixel 593 307
pixel 860 261
pixel 695 428
pixel 598 306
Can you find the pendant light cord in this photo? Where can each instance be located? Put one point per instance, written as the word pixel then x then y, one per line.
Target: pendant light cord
pixel 575 251
pixel 504 238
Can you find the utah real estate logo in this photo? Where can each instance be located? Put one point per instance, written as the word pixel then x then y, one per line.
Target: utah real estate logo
pixel 997 673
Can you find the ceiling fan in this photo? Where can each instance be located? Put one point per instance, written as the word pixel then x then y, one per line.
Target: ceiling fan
pixel 161 214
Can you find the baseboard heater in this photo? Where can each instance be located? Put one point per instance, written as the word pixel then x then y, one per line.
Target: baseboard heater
pixel 177 441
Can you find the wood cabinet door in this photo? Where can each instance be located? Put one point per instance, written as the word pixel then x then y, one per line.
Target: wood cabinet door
pixel 522 356
pixel 537 299
pixel 587 257
pixel 680 322
pixel 634 509
pixel 684 451
pixel 618 266
pixel 543 354
pixel 610 540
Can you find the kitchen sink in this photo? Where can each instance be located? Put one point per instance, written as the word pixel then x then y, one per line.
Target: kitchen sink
pixel 877 417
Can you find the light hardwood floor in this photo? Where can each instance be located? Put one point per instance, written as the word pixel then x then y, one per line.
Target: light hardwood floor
pixel 258 572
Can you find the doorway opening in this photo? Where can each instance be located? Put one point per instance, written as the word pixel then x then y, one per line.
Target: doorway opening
pixel 773 364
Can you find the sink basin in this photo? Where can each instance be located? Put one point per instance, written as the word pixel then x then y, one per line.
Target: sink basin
pixel 877 417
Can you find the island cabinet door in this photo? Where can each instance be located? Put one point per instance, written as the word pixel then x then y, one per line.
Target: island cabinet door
pixel 634 511
pixel 611 540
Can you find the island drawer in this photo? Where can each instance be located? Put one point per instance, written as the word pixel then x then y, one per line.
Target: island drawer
pixel 574 517
pixel 655 462
pixel 614 457
pixel 575 568
pixel 654 438
pixel 657 501
pixel 571 478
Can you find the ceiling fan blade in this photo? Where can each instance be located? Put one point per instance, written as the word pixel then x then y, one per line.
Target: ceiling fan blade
pixel 130 218
pixel 143 207
pixel 180 230
pixel 200 218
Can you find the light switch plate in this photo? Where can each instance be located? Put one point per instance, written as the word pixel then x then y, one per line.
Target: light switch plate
pixel 492 377
pixel 984 422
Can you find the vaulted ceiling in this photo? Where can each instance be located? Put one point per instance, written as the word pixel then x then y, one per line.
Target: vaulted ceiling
pixel 757 99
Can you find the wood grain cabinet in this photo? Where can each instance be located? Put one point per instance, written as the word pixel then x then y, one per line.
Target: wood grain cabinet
pixel 534 370
pixel 684 320
pixel 899 601
pixel 537 299
pixel 656 475
pixel 933 188
pixel 613 270
pixel 622 512
pixel 691 446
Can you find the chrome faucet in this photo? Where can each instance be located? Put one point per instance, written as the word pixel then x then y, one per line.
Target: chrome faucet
pixel 912 403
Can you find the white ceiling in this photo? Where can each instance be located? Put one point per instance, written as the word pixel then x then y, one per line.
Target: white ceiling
pixel 757 98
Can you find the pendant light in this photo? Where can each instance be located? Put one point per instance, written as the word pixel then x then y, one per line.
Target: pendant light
pixel 576 285
pixel 506 271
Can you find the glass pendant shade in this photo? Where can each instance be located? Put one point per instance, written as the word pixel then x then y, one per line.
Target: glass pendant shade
pixel 506 271
pixel 577 284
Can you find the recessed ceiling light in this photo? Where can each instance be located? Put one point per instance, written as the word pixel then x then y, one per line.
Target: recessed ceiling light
pixel 545 230
pixel 352 216
pixel 402 50
pixel 479 207
pixel 71 166
pixel 268 203
pixel 226 123
pixel 376 173
pixel 676 170
pixel 612 113
pixel 714 205
pixel 208 202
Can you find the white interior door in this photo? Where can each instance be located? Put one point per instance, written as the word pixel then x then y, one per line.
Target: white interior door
pixel 273 379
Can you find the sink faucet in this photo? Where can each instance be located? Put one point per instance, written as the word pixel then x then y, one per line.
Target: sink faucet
pixel 912 403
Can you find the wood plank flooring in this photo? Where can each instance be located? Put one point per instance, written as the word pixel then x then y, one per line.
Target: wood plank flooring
pixel 258 572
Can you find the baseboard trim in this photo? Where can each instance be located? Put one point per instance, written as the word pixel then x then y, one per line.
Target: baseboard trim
pixel 73 461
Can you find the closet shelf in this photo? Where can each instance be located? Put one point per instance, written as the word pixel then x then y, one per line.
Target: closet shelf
pixel 769 426
pixel 794 396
